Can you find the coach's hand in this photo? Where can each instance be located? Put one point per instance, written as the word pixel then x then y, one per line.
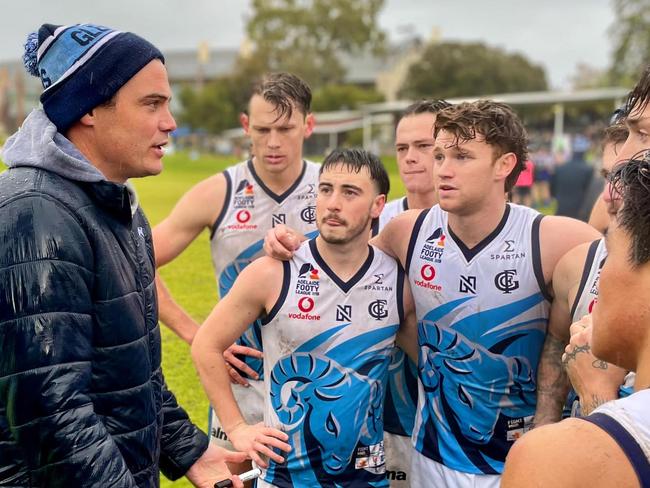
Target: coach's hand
pixel 211 467
pixel 234 364
pixel 594 380
pixel 256 440
pixel 281 242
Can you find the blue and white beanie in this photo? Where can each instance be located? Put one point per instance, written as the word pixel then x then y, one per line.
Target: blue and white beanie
pixel 82 66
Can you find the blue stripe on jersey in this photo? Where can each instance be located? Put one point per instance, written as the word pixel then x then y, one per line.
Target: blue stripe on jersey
pixel 253 335
pixel 477 385
pixel 401 395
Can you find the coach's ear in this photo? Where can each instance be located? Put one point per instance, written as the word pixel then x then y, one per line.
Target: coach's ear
pixel 310 121
pixel 243 120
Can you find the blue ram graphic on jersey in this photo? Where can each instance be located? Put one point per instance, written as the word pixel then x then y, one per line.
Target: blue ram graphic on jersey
pixel 253 336
pixel 330 403
pixel 471 385
pixel 401 395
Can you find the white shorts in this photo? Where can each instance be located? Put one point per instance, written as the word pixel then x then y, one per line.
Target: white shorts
pixel 427 472
pixel 398 450
pixel 251 404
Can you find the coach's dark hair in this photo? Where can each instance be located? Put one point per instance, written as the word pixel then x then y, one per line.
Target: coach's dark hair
pixel 496 122
pixel 355 160
pixel 284 91
pixel 639 97
pixel 631 180
pixel 425 107
pixel 614 134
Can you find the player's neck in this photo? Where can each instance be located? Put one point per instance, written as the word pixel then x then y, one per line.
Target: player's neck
pixel 421 200
pixel 280 181
pixel 344 259
pixel 472 228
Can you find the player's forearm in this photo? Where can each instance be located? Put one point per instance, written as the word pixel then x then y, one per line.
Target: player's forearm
pixel 552 382
pixel 172 314
pixel 214 377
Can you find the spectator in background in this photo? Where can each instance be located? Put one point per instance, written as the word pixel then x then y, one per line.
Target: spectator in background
pixel 570 183
pixel 544 167
pixel 523 191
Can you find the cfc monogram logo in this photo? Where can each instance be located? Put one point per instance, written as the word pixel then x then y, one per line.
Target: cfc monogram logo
pixel 308 214
pixel 377 309
pixel 506 282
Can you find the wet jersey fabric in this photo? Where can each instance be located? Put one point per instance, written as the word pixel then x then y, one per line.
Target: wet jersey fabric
pixel 482 319
pixel 249 211
pixel 327 347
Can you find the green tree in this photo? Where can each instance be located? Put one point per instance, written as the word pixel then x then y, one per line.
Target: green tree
pixel 306 37
pixel 631 35
pixel 343 97
pixel 454 69
pixel 213 108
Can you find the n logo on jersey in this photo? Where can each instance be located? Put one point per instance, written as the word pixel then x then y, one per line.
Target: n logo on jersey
pixel 278 219
pixel 244 195
pixel 467 284
pixel 344 313
pixel 434 247
pixel 378 309
pixel 308 282
pixel 308 214
pixel 506 282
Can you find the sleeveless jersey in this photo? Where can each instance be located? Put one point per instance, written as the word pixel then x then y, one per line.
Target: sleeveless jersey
pixel 250 209
pixel 626 421
pixel 482 319
pixel 583 303
pixel 327 346
pixel 587 294
pixel 402 392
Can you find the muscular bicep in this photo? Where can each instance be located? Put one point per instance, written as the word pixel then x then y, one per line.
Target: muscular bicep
pixel 196 211
pixel 394 238
pixel 253 294
pixel 407 335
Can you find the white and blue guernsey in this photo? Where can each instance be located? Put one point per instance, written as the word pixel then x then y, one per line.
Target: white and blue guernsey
pixel 482 319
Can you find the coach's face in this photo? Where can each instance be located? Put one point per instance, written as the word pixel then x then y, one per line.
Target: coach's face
pixel 346 203
pixel 128 136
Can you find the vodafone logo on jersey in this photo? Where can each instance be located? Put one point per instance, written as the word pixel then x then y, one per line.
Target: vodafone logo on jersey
pixel 428 274
pixel 305 305
pixel 243 216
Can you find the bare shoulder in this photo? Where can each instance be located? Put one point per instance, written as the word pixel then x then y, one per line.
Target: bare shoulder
pixel 570 266
pixel 395 236
pixel 558 235
pixel 569 453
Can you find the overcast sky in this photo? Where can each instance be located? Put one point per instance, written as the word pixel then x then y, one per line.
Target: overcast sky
pixel 557 34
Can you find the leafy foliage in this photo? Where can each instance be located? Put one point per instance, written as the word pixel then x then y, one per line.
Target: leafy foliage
pixel 631 35
pixel 343 97
pixel 454 69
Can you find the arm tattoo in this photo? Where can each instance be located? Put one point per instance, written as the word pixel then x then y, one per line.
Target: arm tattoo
pixel 577 349
pixel 552 382
pixel 599 364
pixel 595 402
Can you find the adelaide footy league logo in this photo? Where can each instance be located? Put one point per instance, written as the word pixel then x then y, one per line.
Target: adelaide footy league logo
pixel 434 246
pixel 308 282
pixel 244 195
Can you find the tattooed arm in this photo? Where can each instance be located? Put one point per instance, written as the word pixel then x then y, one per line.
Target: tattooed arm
pixel 595 381
pixel 552 380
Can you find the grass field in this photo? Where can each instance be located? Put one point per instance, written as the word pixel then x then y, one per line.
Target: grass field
pixel 191 276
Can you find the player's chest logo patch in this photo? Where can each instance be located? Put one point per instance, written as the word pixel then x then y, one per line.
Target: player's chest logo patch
pixel 434 247
pixel 308 282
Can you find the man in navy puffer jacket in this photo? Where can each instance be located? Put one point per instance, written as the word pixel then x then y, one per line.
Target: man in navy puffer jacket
pixel 83 401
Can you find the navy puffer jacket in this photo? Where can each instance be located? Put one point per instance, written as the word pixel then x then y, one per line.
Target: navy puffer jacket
pixel 82 396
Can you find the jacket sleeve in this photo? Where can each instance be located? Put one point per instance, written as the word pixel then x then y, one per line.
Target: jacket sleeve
pixel 46 333
pixel 182 442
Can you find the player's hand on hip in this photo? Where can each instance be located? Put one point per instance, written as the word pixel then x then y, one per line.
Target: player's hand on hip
pixel 258 440
pixel 234 364
pixel 281 241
